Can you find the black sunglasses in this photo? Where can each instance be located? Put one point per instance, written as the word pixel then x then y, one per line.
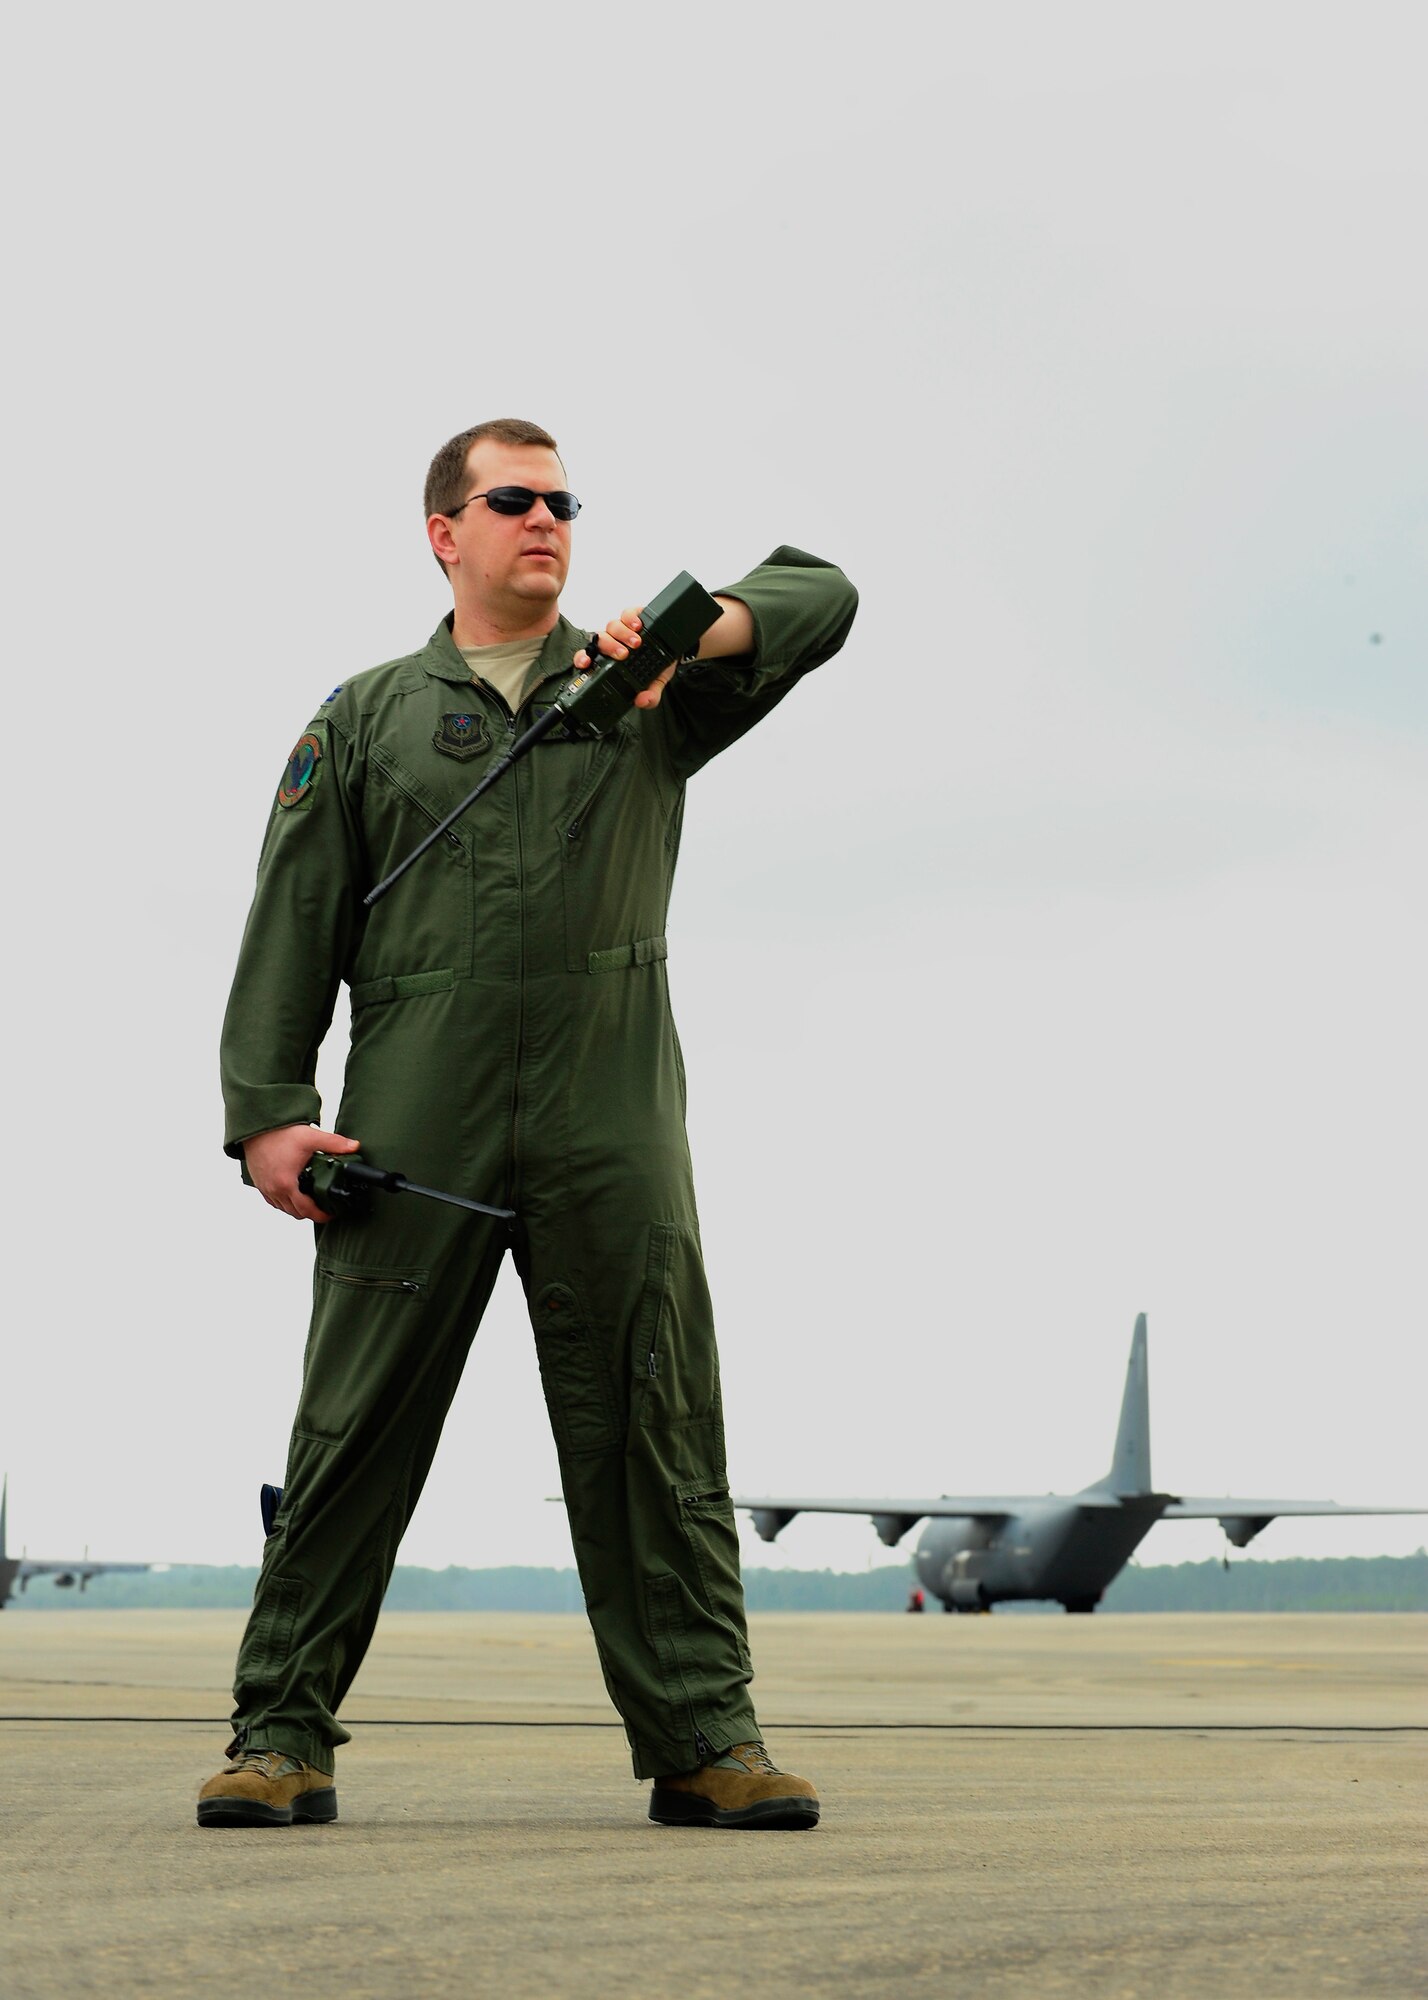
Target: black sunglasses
pixel 520 500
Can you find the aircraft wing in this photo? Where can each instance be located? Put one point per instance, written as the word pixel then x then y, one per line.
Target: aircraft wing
pixel 1215 1509
pixel 26 1568
pixel 893 1517
pixel 1243 1519
pixel 962 1506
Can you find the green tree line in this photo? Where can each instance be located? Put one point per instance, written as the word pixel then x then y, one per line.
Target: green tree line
pixel 1337 1583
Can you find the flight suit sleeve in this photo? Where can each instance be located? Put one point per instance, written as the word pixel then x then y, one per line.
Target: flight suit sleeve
pixel 803 610
pixel 296 943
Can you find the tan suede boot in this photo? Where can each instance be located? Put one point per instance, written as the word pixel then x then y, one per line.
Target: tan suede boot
pixel 741 1788
pixel 267 1788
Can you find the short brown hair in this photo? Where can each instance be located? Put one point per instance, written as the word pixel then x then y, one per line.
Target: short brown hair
pixel 446 475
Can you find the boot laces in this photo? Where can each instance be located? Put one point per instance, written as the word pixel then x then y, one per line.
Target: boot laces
pixel 272 1763
pixel 754 1757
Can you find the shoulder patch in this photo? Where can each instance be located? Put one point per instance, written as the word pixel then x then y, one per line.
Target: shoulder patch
pixel 304 768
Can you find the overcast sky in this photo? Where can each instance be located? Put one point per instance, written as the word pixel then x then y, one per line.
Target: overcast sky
pixel 1054 955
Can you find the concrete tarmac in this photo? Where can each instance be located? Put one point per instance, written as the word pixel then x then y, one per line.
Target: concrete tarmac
pixel 1108 1806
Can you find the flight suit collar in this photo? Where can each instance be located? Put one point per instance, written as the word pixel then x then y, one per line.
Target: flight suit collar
pixel 443 656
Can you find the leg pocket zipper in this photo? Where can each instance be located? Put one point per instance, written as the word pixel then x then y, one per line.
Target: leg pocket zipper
pixel 363 1283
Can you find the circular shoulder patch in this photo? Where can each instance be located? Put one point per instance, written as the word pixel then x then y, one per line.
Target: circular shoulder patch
pixel 301 773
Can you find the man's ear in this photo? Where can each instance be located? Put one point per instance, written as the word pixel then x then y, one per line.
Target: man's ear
pixel 443 542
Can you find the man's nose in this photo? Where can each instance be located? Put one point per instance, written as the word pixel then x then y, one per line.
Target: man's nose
pixel 540 513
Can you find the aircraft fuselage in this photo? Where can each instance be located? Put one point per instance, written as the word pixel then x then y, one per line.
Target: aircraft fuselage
pixel 1059 1550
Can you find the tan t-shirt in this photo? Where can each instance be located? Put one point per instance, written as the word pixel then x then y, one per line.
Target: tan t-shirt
pixel 506 668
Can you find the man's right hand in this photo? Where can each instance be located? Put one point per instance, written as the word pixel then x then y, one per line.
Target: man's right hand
pixel 275 1159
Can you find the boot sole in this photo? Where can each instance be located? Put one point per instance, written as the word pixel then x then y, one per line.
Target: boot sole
pixel 308 1809
pixel 687 1809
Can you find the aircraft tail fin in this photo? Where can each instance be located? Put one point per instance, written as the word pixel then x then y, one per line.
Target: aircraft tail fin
pixel 1130 1467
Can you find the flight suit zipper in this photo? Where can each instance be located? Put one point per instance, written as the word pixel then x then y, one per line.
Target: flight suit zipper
pixel 514 1173
pixel 513 1196
pixel 653 1300
pixel 575 826
pixel 508 714
pixel 372 1284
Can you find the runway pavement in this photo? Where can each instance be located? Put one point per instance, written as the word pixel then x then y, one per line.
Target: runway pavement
pixel 1161 1806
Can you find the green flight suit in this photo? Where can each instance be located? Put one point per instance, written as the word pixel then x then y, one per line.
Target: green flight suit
pixel 511 1041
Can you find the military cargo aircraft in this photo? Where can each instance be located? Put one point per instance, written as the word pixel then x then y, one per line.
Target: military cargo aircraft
pixel 19 1569
pixel 981 1550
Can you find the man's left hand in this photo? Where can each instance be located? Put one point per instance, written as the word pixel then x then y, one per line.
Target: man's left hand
pixel 619 639
pixel 733 634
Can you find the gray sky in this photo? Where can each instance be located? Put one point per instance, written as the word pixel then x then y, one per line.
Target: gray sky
pixel 1054 955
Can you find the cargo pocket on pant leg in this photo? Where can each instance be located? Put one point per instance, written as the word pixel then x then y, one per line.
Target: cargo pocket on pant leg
pixel 579 1391
pixel 706 1519
pixel 678 1664
pixel 366 1320
pixel 269 1639
pixel 676 1361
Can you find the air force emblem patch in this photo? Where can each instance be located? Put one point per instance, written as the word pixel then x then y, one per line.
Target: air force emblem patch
pixel 463 734
pixel 304 769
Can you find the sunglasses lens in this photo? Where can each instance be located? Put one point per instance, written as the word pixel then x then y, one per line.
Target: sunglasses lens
pixel 510 499
pixel 520 500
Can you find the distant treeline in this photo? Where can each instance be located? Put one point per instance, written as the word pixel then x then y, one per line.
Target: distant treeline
pixel 1338 1583
pixel 1334 1583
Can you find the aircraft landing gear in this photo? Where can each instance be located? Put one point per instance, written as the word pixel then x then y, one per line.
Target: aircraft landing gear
pixel 1081 1604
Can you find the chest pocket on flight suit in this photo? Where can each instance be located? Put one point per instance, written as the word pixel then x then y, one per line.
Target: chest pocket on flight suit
pixel 612 861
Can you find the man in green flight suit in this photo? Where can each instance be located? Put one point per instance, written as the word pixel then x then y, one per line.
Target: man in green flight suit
pixel 511 1041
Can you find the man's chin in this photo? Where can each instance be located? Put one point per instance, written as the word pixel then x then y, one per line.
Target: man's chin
pixel 539 584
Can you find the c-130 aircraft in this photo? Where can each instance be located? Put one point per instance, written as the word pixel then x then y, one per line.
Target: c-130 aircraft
pixel 19 1569
pixel 980 1550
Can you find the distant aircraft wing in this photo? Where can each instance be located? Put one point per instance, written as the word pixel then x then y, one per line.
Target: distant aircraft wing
pixel 1211 1509
pixel 84 1570
pixel 1243 1519
pixel 893 1517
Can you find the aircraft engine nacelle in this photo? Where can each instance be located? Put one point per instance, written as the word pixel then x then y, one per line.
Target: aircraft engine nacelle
pixel 1241 1529
pixel 64 1581
pixel 892 1527
pixel 770 1521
